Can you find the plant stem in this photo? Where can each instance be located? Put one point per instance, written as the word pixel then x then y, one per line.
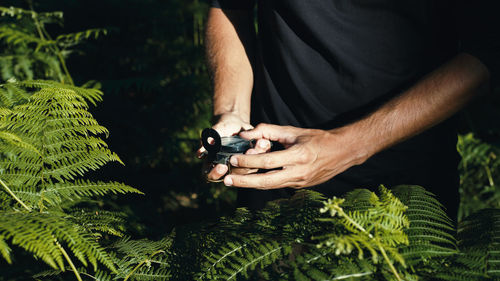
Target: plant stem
pixel 41 32
pixel 63 64
pixel 388 261
pixel 358 226
pixel 14 196
pixel 342 213
pixel 490 177
pixel 68 259
pixel 141 263
pixel 35 18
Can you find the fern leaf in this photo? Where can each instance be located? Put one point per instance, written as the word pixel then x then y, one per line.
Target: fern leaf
pixel 431 232
pixel 479 238
pixel 5 249
pixel 99 221
pixel 17 141
pixel 82 188
pixel 73 38
pixel 91 95
pixel 37 232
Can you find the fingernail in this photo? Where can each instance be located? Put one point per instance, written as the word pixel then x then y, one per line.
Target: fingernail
pixel 251 151
pixel 264 143
pixel 228 181
pixel 234 161
pixel 221 169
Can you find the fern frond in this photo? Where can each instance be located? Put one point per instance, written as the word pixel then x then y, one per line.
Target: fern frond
pixel 17 141
pixel 140 249
pixel 19 12
pixel 261 254
pixel 99 221
pixel 431 232
pixel 320 264
pixel 479 240
pixel 11 95
pixel 15 37
pixel 143 259
pixel 150 273
pixel 5 249
pixel 83 188
pixel 39 233
pixel 73 38
pixel 479 175
pixel 91 95
pixel 98 275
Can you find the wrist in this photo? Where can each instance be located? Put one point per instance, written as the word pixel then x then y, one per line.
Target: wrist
pixel 223 114
pixel 354 143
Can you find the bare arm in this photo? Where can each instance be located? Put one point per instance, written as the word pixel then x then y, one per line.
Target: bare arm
pixel 230 41
pixel 432 100
pixel 309 159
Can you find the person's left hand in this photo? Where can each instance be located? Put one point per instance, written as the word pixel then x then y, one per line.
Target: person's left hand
pixel 310 157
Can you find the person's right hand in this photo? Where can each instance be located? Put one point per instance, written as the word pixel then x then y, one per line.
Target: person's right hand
pixel 230 124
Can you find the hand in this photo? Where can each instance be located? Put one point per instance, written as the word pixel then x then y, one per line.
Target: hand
pixel 230 124
pixel 310 157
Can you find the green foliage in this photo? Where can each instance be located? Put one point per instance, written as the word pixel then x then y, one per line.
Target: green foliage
pixel 479 175
pixel 479 243
pixel 377 229
pixel 406 232
pixel 29 52
pixel 47 143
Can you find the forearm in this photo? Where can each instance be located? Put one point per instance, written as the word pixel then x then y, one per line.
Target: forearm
pixel 432 100
pixel 229 41
pixel 314 156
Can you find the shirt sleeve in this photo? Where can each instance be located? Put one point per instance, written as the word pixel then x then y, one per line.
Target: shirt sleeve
pixel 233 4
pixel 479 34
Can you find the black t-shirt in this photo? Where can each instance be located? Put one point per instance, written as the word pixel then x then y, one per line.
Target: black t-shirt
pixel 322 64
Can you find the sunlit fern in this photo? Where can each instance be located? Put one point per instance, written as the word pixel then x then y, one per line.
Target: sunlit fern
pixel 47 143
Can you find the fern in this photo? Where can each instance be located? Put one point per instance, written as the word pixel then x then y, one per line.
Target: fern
pixel 275 243
pixel 378 229
pixel 479 175
pixel 42 234
pixel 143 259
pixel 479 243
pixel 46 144
pixel 31 51
pixel 431 232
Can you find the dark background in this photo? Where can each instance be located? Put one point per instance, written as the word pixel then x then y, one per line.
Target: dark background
pixel 156 102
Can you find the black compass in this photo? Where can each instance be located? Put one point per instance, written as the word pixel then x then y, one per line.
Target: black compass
pixel 220 149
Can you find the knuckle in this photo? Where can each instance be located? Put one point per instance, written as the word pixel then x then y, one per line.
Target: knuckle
pixel 241 161
pixel 303 177
pixel 240 181
pixel 268 162
pixel 304 156
pixel 266 182
pixel 260 126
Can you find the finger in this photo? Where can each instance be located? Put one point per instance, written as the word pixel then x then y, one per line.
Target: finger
pixel 225 130
pixel 201 152
pixel 217 172
pixel 270 180
pixel 247 127
pixel 262 146
pixel 271 160
pixel 242 171
pixel 270 132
